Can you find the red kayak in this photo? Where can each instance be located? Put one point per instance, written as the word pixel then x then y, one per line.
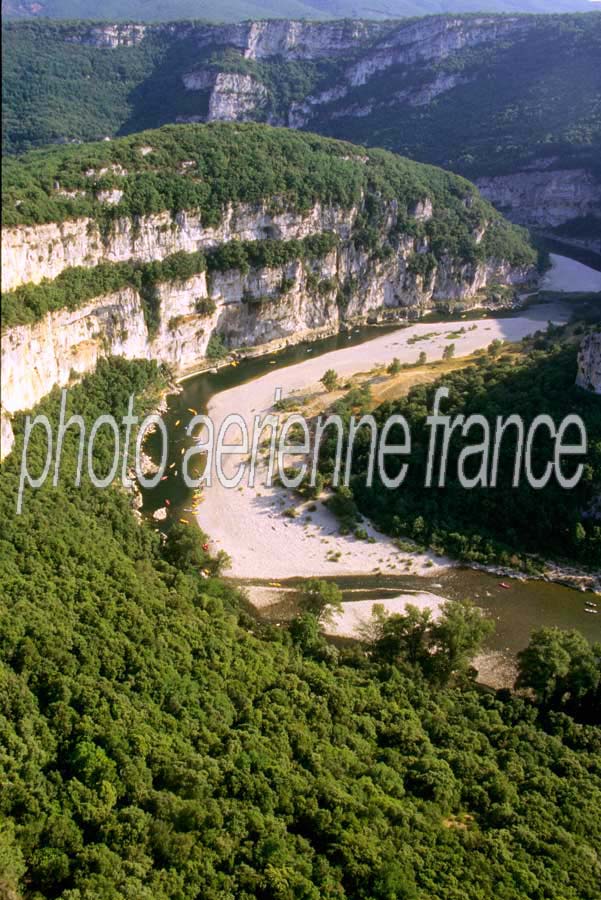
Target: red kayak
pixel 507 587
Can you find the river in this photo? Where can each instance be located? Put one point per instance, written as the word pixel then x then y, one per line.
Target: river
pixel 517 610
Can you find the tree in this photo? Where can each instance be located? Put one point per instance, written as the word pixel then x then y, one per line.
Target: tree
pixel 185 548
pixel 403 635
pixel 543 664
pixel 342 504
pixel 304 630
pixel 322 598
pixel 440 647
pixel 456 637
pixel 560 667
pixel 449 351
pixel 495 347
pixel 330 380
pixel 422 359
pixel 395 366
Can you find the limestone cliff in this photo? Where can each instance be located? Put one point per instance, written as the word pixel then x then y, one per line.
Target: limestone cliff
pixel 589 363
pixel 247 309
pixel 551 196
pixel 31 253
pixel 192 241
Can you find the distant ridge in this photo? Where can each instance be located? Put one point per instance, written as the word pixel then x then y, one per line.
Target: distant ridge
pixel 239 10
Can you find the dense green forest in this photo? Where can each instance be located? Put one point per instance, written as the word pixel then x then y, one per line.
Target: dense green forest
pixel 203 168
pixel 532 93
pixel 516 526
pixel 157 743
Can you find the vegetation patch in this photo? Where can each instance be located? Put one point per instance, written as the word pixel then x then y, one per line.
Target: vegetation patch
pixel 143 713
pixel 481 525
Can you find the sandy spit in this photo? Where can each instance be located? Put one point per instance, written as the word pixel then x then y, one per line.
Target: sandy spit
pixel 350 621
pixel 248 523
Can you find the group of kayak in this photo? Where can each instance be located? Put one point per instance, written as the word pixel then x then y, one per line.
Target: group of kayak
pixel 197 499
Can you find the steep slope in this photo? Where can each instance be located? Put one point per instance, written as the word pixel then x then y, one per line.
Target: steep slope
pixel 487 96
pixel 180 243
pixel 589 364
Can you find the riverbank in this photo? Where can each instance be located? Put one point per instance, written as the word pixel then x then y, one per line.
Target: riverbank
pixel 256 525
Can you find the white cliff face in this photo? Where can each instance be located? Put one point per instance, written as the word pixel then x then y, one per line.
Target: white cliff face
pixel 423 41
pixel 439 85
pixel 32 253
pixel 306 40
pixel 589 363
pixel 417 43
pixel 111 36
pixel 232 97
pixel 430 39
pixel 65 344
pixel 7 437
pixel 235 98
pixel 256 40
pixel 263 305
pixel 547 197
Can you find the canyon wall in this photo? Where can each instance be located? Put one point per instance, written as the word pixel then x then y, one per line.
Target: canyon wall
pixel 31 253
pixel 244 309
pixel 589 363
pixel 547 197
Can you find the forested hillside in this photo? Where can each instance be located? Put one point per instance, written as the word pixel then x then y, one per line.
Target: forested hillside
pixel 478 96
pixel 159 744
pixel 204 168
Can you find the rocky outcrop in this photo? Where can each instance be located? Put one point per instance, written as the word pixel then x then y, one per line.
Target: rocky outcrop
pixel 544 197
pixel 111 36
pixel 7 438
pixel 232 97
pixel 235 98
pixel 589 363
